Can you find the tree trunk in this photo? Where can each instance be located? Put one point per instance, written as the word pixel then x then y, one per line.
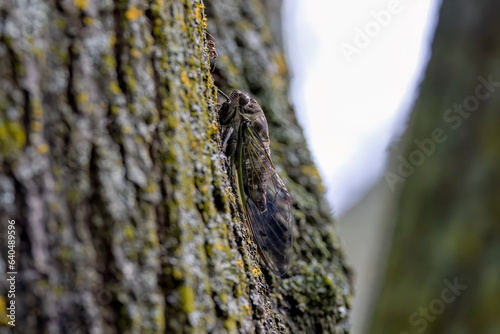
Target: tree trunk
pixel 110 167
pixel 443 270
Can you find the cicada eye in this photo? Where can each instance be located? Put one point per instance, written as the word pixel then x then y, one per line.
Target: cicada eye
pixel 241 99
pixel 226 114
pixel 244 99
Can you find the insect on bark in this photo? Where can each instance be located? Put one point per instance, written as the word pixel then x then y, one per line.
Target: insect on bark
pixel 211 49
pixel 263 197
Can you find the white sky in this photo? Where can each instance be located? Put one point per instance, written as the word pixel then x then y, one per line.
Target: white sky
pixel 351 109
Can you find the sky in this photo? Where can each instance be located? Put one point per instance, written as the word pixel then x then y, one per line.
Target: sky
pixel 355 66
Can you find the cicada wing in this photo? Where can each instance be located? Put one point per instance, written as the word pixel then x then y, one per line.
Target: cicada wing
pixel 268 205
pixel 272 228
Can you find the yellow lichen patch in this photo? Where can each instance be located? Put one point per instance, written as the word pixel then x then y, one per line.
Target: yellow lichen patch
pixel 184 78
pixel 82 4
pixel 82 98
pixel 160 4
pixel 12 138
pixel 54 206
pixel 266 35
pixel 114 110
pixel 209 250
pixel 37 110
pixel 257 272
pixel 43 149
pixel 159 319
pixel 88 21
pixel 278 82
pixel 151 188
pixel 133 14
pixel 183 27
pixel 131 83
pixel 204 18
pixel 127 130
pixel 61 24
pixel 129 232
pixel 240 263
pixel 212 130
pixel 279 60
pixel 231 325
pixel 197 13
pixel 177 273
pixel 42 285
pixel 115 89
pixel 153 238
pixel 310 170
pixel 36 126
pixel 136 53
pixel 109 61
pixel 220 247
pixel 38 53
pixel 187 298
pixel 65 254
pixel 58 290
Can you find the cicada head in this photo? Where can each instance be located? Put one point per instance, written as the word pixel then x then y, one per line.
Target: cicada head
pixel 235 101
pixel 248 107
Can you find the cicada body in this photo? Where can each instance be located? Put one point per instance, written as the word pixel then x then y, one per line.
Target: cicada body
pixel 264 198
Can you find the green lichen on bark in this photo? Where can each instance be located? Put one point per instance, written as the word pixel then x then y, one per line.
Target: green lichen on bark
pixel 126 220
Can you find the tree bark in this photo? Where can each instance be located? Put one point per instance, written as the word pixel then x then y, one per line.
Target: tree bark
pixel 110 167
pixel 443 269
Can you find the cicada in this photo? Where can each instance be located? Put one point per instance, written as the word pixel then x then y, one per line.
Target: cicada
pixel 263 197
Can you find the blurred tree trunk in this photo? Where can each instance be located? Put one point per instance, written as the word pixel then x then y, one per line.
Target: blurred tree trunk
pixel 443 272
pixel 109 165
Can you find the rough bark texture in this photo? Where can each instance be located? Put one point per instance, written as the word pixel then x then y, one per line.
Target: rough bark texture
pixel 110 166
pixel 447 217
